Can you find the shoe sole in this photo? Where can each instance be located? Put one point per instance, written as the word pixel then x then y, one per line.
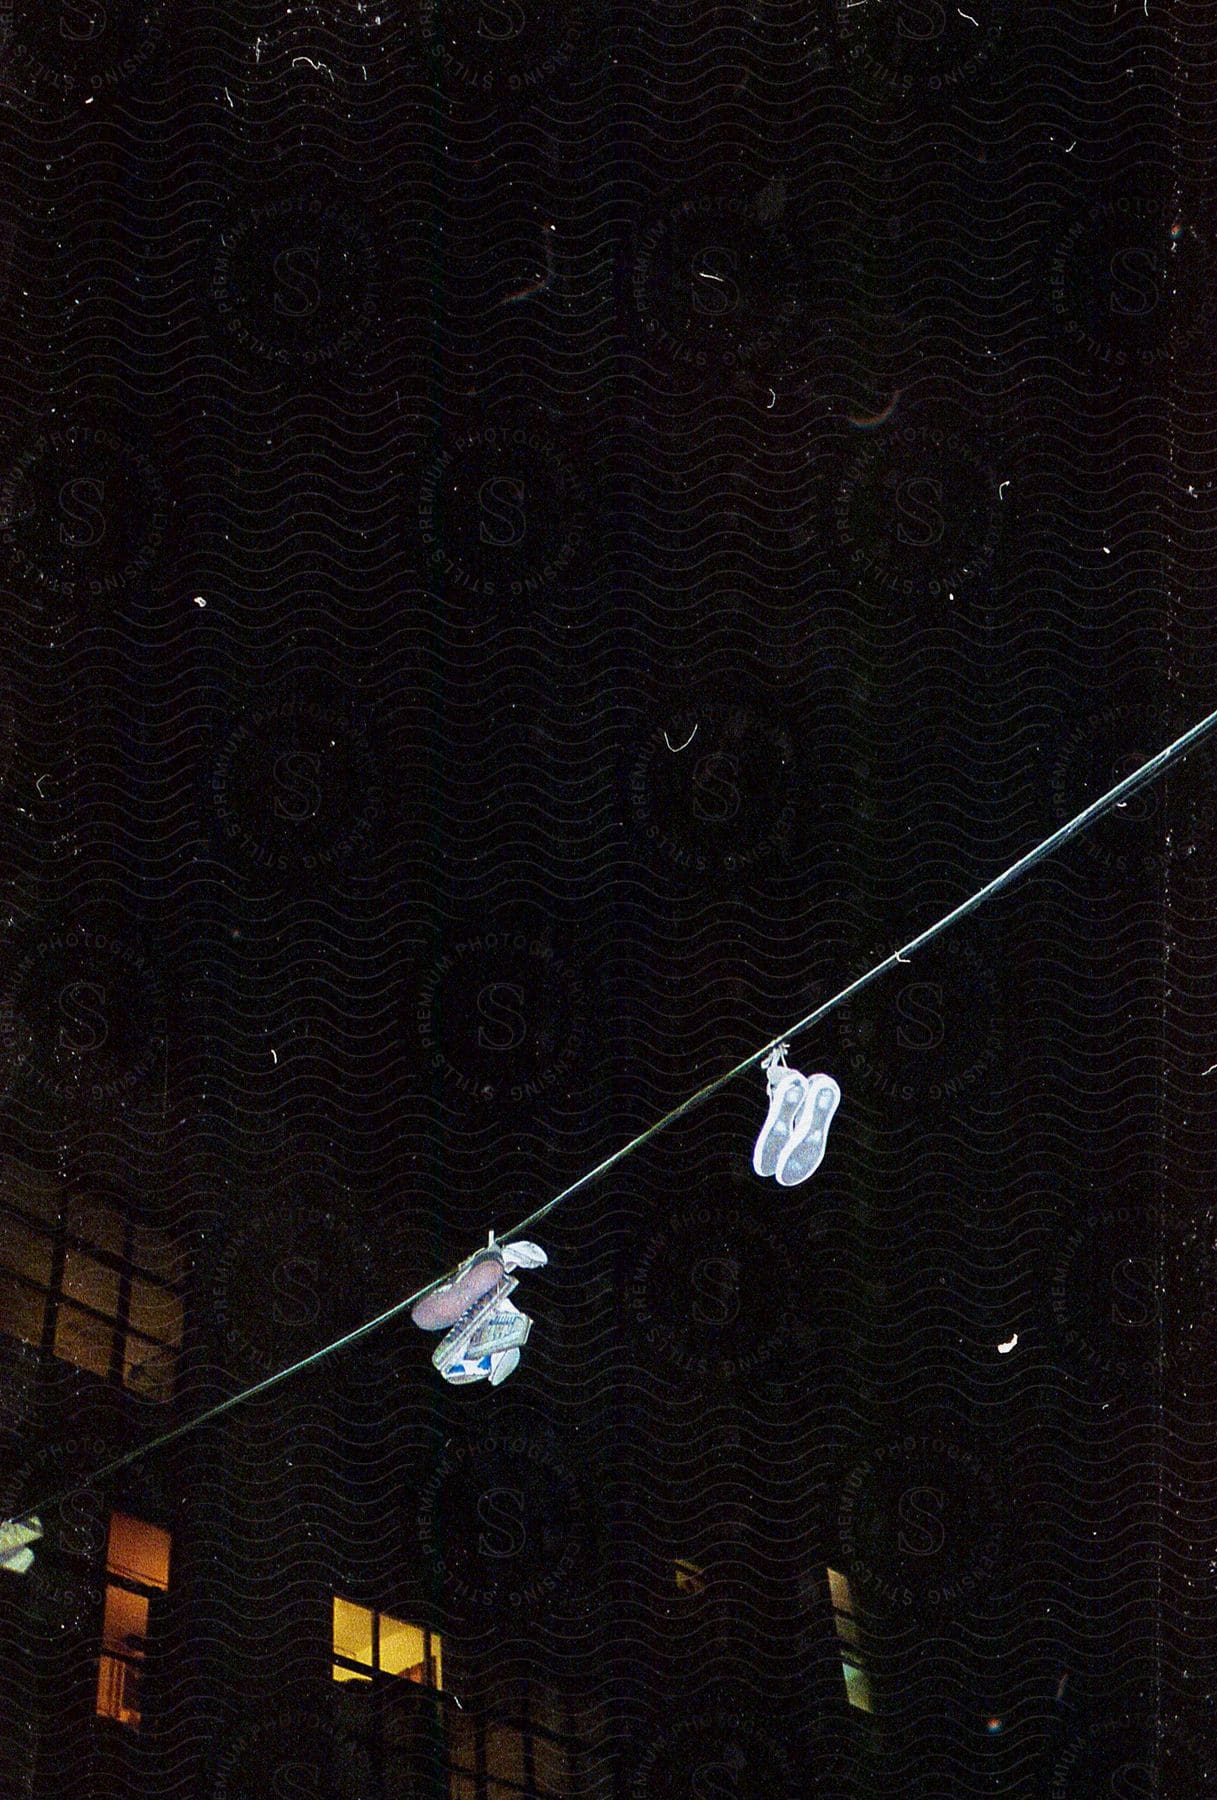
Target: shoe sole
pixel 805 1151
pixel 788 1096
pixel 441 1310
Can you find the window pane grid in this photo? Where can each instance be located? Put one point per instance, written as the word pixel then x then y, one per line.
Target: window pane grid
pixel 84 1339
pixel 118 1688
pixel 91 1283
pixel 369 1642
pixel 74 1293
pixel 23 1308
pixel 483 1759
pixel 465 1770
pixel 137 1570
pixel 25 1247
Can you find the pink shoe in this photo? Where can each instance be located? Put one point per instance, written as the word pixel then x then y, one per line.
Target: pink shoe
pixel 440 1310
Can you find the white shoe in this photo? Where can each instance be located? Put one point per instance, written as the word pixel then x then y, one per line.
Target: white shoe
pixel 16 1536
pixel 804 1152
pixel 522 1255
pixel 787 1092
pixel 503 1364
pixel 473 1348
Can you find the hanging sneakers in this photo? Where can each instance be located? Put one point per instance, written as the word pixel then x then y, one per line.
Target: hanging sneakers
pixel 801 1108
pixel 485 1332
pixel 805 1151
pixel 787 1092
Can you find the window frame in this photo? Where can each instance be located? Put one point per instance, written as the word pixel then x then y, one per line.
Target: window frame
pixel 372 1671
pixel 476 1775
pixel 125 1337
pixel 467 1768
pixel 121 1665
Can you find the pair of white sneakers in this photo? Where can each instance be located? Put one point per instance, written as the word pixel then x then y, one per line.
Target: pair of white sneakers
pixel 801 1107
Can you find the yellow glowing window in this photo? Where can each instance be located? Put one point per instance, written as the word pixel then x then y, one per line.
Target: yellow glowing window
pixel 838 1587
pixel 403 1649
pixel 137 1569
pixel 690 1578
pixel 353 1638
pixel 367 1642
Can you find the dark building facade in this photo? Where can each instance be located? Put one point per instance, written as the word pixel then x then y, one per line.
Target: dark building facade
pixel 538 543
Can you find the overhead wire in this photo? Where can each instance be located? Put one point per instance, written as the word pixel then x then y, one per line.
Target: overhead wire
pixel 1140 777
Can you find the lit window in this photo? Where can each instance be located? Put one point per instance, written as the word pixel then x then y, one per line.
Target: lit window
pixel 368 1643
pixel 94 1290
pixel 137 1569
pixel 138 1552
pixel 690 1578
pixel 857 1686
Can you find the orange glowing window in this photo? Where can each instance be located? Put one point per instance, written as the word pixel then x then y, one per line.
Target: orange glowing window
pixel 137 1569
pixel 138 1552
pixel 125 1625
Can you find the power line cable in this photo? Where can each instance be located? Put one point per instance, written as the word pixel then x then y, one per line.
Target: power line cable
pixel 1139 778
